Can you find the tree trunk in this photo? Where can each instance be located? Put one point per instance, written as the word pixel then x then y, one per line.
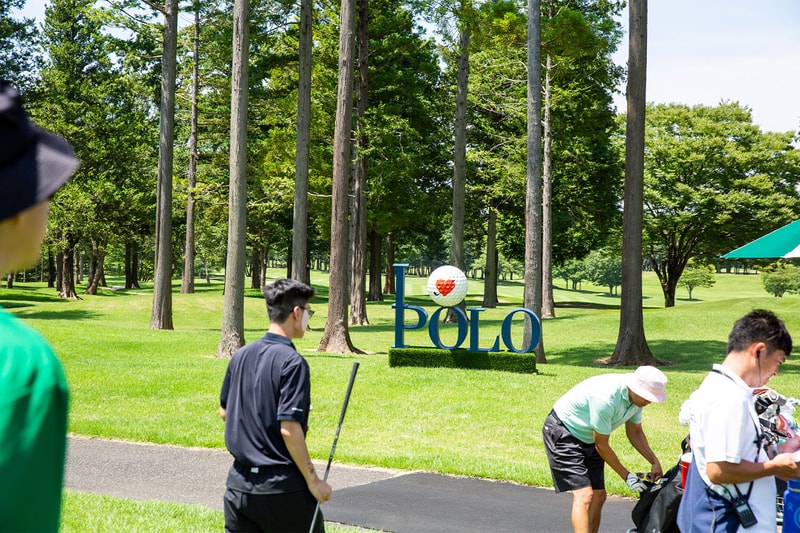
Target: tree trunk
pixel 98 259
pixel 67 290
pixel 232 334
pixel 389 287
pixel 375 293
pixel 548 301
pixel 263 254
pixel 187 280
pixel 670 269
pixel 460 151
pixel 161 317
pixel 132 265
pixel 299 263
pixel 632 348
pixel 128 252
pixel 79 263
pixel 533 193
pixel 59 272
pixel 51 269
pixel 336 337
pixel 255 270
pixel 358 292
pixel 10 280
pixel 490 285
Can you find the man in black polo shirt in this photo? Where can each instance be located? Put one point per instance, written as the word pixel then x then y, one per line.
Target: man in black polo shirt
pixel 265 400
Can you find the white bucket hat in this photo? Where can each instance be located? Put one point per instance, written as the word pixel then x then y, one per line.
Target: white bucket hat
pixel 648 382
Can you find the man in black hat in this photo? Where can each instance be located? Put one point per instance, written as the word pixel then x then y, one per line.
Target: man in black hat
pixel 34 164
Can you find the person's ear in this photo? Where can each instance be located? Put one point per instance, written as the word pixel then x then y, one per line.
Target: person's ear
pixel 760 347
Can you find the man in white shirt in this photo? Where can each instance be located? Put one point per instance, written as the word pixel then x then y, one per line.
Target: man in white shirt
pixel 731 485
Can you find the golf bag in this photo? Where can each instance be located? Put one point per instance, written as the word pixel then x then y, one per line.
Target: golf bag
pixel 776 415
pixel 657 508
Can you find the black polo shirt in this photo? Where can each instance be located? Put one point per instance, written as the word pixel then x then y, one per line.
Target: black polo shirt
pixel 267 381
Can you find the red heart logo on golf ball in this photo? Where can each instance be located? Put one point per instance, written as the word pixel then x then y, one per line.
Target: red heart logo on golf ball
pixel 445 286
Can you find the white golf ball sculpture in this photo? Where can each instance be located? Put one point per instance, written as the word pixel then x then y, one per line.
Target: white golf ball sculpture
pixel 447 286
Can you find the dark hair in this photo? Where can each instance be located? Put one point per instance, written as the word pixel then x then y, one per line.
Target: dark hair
pixel 760 325
pixel 283 295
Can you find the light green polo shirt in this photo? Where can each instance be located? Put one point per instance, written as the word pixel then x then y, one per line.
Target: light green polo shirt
pixel 597 404
pixel 33 429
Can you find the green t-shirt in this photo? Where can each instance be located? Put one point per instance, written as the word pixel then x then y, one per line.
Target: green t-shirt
pixel 598 404
pixel 33 429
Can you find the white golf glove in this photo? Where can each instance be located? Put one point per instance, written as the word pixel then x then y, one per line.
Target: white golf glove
pixel 635 483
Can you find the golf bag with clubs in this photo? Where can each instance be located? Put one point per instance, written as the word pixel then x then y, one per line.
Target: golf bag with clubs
pixel 776 415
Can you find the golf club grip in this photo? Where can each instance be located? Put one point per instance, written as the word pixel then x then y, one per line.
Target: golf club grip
pixel 349 390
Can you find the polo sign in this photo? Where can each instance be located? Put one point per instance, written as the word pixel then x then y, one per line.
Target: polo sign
pixel 447 286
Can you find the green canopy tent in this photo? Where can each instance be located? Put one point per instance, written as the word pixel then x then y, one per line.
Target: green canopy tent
pixel 782 243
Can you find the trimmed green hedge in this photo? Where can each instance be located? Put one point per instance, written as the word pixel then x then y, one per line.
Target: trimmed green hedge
pixel 460 358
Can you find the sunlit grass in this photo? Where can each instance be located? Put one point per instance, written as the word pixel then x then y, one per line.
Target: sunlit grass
pixel 131 382
pixel 85 513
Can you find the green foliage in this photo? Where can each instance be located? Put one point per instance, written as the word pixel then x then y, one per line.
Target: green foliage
pixel 713 181
pixel 780 278
pixel 697 274
pixel 17 64
pixel 586 169
pixel 604 269
pixel 86 95
pixel 572 271
pixel 460 358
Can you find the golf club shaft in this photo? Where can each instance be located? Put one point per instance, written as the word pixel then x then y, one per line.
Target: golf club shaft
pixel 336 437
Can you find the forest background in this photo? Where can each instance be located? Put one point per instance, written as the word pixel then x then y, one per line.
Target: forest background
pixel 93 72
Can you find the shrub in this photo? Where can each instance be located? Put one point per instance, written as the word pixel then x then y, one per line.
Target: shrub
pixel 460 358
pixel 695 275
pixel 780 278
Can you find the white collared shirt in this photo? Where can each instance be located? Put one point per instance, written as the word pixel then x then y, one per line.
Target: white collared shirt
pixel 724 428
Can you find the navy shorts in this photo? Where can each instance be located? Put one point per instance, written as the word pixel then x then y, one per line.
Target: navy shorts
pixel 574 464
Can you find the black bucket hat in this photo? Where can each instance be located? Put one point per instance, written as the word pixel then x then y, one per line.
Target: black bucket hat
pixel 34 163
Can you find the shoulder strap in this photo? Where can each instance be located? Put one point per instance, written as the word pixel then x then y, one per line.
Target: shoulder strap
pixel 757 443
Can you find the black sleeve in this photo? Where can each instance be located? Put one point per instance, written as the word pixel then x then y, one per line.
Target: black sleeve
pixel 294 401
pixel 226 383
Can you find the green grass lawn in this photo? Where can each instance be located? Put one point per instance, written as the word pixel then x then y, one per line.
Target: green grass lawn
pixel 84 512
pixel 131 382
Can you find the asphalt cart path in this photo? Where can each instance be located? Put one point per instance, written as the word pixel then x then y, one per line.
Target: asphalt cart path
pixel 382 499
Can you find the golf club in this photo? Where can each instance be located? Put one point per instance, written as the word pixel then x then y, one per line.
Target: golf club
pixel 336 438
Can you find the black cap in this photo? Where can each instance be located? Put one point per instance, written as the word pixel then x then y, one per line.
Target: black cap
pixel 34 163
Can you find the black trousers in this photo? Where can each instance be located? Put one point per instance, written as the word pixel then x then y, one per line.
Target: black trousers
pixel 288 512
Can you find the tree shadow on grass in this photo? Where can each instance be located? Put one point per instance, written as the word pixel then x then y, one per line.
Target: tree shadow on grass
pixel 690 356
pixel 586 305
pixel 107 292
pixel 59 314
pixel 19 295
